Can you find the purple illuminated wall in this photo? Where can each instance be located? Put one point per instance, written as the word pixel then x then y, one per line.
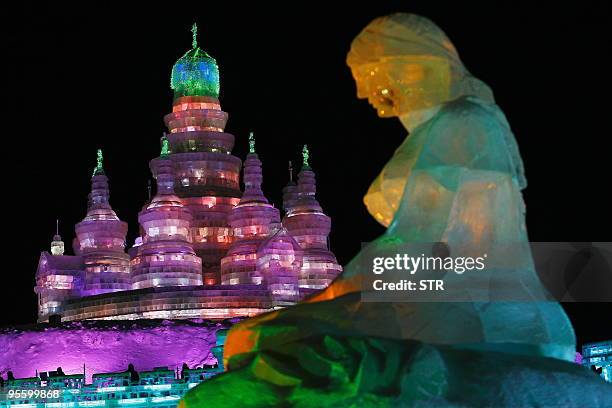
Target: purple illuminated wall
pixel 107 346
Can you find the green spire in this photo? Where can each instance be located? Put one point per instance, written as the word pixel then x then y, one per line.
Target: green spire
pixel 305 157
pixel 194 30
pixel 165 147
pixel 99 168
pixel 251 142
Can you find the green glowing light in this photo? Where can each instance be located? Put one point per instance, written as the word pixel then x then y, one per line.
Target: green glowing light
pixel 165 147
pixel 196 73
pixel 99 167
pixel 251 142
pixel 305 157
pixel 194 30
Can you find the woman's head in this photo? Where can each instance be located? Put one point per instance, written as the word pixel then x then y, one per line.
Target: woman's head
pixel 404 63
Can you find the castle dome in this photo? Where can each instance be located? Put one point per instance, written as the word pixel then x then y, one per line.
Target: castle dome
pixel 196 73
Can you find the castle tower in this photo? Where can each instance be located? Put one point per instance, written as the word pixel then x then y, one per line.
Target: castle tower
pixel 166 256
pixel 310 227
pixel 206 174
pixel 252 221
pixel 279 262
pixel 59 277
pixel 100 240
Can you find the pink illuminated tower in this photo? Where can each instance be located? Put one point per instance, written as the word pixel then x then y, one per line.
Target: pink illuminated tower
pixel 59 277
pixel 263 252
pixel 206 174
pixel 100 240
pixel 252 221
pixel 310 227
pixel 166 256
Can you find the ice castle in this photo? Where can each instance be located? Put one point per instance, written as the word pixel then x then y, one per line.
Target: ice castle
pixel 206 249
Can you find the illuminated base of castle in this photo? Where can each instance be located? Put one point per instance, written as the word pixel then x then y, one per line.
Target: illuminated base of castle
pixel 214 302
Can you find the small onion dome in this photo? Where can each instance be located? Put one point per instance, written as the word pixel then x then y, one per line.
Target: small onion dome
pixel 195 74
pixel 57 245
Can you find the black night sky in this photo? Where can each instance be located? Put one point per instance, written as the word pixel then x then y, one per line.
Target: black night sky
pixel 94 75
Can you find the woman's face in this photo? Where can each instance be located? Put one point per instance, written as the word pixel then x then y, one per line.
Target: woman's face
pixel 398 85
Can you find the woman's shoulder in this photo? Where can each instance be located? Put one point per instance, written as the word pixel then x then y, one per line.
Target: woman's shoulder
pixel 468 119
pixel 473 110
pixel 473 133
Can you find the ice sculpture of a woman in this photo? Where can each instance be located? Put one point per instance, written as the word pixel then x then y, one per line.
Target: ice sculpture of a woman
pixel 455 179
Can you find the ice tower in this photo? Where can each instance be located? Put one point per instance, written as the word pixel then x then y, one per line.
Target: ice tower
pixel 166 256
pixel 206 174
pixel 310 227
pixel 252 220
pixel 58 277
pixel 263 252
pixel 100 240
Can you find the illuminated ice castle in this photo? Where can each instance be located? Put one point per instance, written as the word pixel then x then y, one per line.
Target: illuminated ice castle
pixel 206 249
